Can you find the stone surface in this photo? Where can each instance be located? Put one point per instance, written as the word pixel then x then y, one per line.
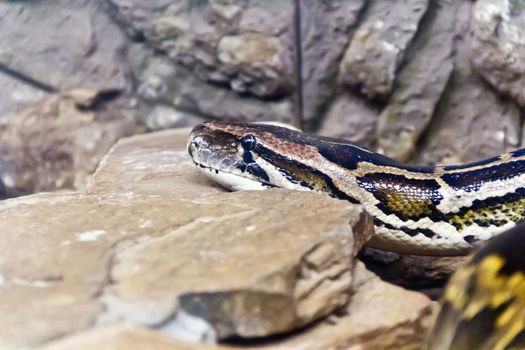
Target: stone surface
pixel 183 61
pixel 326 29
pixel 192 265
pixel 77 44
pixel 379 316
pixel 421 83
pixel 57 142
pixel 352 118
pixel 126 337
pixel 260 57
pixel 16 94
pixel 469 107
pixel 155 164
pixel 379 44
pixel 498 45
pixel 163 83
pixel 206 37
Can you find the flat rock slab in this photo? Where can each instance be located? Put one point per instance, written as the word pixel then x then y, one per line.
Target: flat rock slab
pixel 380 316
pixel 126 338
pixel 246 263
pixel 152 164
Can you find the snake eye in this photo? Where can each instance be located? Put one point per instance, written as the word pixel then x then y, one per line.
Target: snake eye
pixel 248 142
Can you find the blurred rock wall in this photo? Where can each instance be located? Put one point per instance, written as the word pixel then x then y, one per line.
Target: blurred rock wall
pixel 427 81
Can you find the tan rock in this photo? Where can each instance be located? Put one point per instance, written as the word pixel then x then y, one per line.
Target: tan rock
pixel 498 46
pixel 255 56
pixel 54 144
pixel 379 316
pixel 251 48
pixel 378 46
pixel 245 263
pixel 125 338
pixel 152 164
pixel 250 264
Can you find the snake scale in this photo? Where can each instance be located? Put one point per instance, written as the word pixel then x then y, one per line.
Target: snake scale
pixel 423 210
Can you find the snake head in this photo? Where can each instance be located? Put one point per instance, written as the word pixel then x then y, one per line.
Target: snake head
pixel 227 153
pixel 252 156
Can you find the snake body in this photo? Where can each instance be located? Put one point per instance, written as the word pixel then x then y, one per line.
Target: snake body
pixel 483 306
pixel 424 210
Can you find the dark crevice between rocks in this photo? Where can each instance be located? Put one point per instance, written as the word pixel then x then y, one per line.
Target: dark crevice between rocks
pixel 521 131
pixel 100 100
pixel 26 79
pixel 441 105
pixel 420 38
pixel 281 337
pixel 424 274
pixel 315 124
pixel 424 29
pixel 298 67
pixel 3 191
pixel 508 100
pixel 134 34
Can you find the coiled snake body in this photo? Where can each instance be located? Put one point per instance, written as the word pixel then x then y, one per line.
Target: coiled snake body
pixel 439 210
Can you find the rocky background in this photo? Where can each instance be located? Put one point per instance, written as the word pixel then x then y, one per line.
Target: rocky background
pixel 423 81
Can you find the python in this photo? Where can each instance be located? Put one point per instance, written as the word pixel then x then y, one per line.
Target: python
pixel 423 210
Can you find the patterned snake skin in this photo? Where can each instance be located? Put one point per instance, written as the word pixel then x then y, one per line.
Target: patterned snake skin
pixel 483 307
pixel 425 210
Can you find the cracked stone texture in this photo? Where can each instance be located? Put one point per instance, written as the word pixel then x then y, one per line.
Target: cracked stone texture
pixel 126 337
pixel 97 261
pixel 432 72
pixel 421 83
pixel 163 83
pixel 379 45
pixel 498 45
pixel 351 118
pixel 469 107
pixel 326 29
pixel 148 256
pixel 57 142
pixel 380 316
pixel 438 109
pixel 243 44
pixel 77 44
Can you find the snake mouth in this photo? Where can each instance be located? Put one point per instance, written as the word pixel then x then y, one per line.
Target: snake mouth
pixel 232 181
